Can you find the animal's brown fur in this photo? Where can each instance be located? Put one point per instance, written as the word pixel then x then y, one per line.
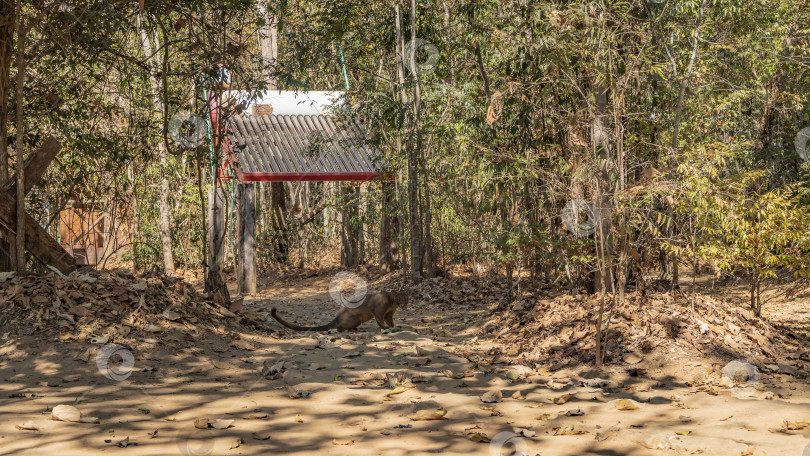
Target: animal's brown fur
pixel 379 306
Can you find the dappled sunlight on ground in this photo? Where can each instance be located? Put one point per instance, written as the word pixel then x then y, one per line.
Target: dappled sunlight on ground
pixel 362 392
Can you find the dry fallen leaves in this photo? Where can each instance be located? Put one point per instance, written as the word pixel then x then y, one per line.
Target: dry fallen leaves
pixel 221 424
pixel 430 415
pixel 397 390
pixel 632 358
pixel 492 396
pixel 479 437
pixel 568 430
pixel 66 413
pixel 27 426
pixel 243 345
pixel 342 442
pixel 605 434
pixel 626 404
pixel 562 399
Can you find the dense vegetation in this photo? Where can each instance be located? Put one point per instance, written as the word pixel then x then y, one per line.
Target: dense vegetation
pixel 673 125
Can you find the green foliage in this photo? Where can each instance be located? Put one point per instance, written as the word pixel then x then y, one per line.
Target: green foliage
pixel 507 127
pixel 730 222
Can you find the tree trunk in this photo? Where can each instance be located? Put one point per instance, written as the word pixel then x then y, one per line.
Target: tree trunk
pixel 351 234
pixel 246 196
pixel 600 140
pixel 428 256
pixel 153 60
pixel 278 208
pixel 415 217
pixel 7 22
pixel 772 90
pixel 389 228
pixel 505 229
pixel 268 41
pixel 677 125
pixel 165 216
pixel 135 227
pixel 398 46
pixel 753 292
pixel 214 283
pixel 19 242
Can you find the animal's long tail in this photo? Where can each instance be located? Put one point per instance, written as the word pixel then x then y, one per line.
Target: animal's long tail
pixel 329 325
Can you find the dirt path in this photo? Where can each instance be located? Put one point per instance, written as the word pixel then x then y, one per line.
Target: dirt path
pixel 349 402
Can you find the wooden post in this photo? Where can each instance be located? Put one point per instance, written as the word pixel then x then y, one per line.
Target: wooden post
pixel 216 228
pixel 246 196
pixel 214 283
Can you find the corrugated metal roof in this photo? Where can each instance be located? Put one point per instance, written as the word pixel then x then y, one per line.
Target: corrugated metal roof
pixel 300 147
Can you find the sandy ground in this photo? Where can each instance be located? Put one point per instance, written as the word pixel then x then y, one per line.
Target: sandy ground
pixel 349 407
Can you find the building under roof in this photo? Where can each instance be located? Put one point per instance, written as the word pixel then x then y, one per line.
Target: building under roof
pixel 282 136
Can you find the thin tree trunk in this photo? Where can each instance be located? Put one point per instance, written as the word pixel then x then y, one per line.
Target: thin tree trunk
pixel 19 248
pixel 278 206
pixel 268 41
pixel 414 154
pixel 600 140
pixel 428 258
pixel 153 60
pixel 414 222
pixel 686 76
pixel 7 23
pixel 505 229
pixel 389 226
pixel 404 100
pixel 772 90
pixel 677 125
pixel 351 235
pixel 601 265
pixel 135 227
